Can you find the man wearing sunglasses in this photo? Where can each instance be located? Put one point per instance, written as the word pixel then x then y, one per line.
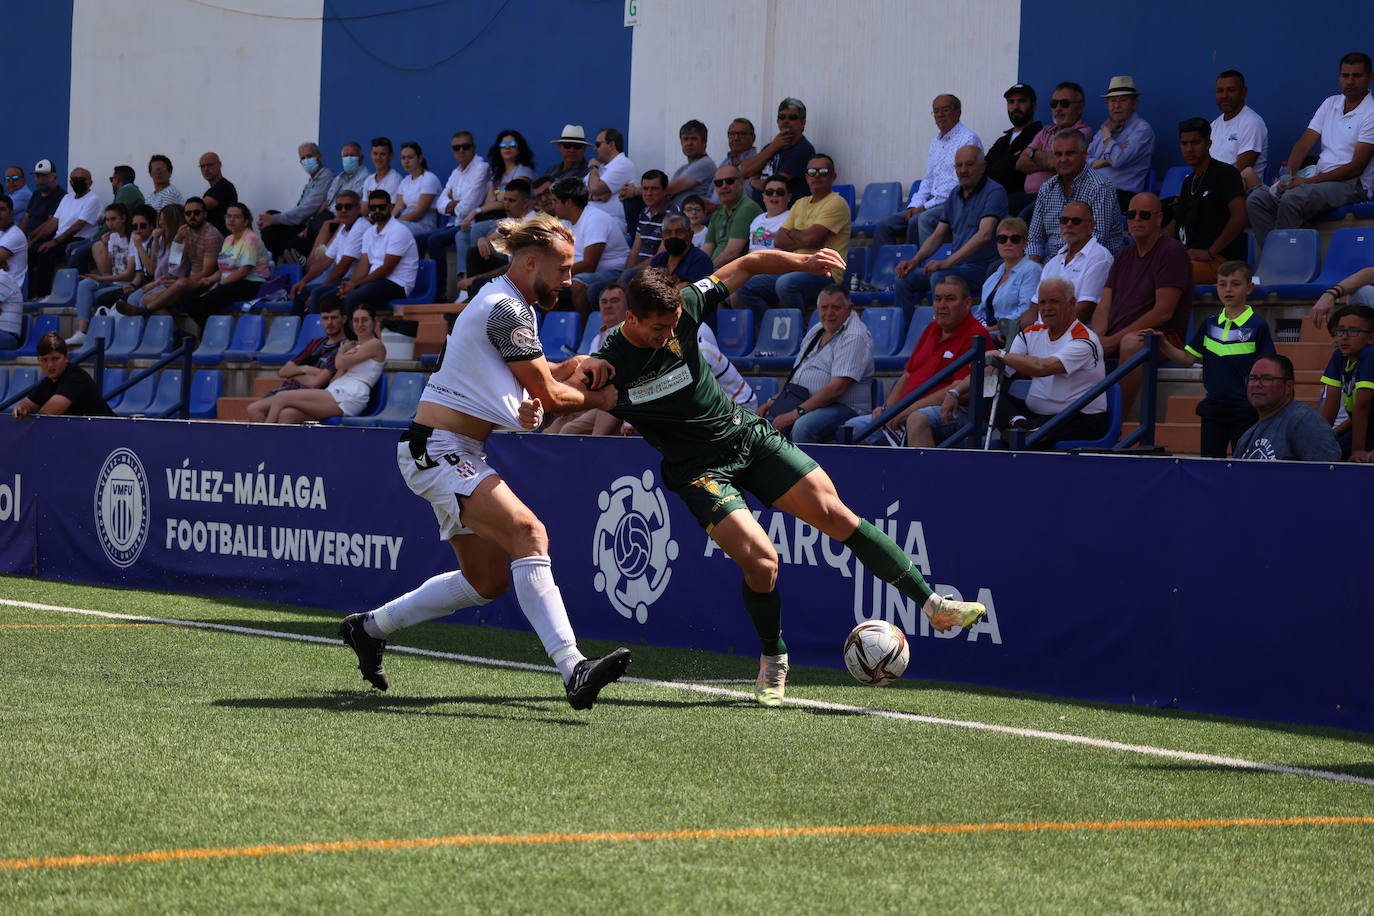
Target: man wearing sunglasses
pixel 815 222
pixel 327 268
pixel 1149 288
pixel 1288 430
pixel 785 156
pixel 17 190
pixel 922 214
pixel 969 219
pixel 1083 261
pixel 1037 159
pixel 727 234
pixel 465 191
pixel 608 173
pixel 572 147
pixel 387 263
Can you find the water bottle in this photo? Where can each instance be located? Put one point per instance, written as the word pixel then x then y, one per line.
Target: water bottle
pixel 1283 181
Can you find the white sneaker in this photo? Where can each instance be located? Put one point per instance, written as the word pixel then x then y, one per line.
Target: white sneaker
pixel 76 339
pixel 771 683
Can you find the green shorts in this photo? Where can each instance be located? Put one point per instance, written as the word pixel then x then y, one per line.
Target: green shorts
pixel 759 460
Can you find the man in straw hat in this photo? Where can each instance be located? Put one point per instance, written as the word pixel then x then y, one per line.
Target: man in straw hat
pixel 1124 144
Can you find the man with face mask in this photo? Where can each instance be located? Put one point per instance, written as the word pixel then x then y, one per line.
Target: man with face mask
pixel 288 230
pixel 75 219
pixel 678 255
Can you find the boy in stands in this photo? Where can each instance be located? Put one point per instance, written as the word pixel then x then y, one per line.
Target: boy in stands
pixel 1351 371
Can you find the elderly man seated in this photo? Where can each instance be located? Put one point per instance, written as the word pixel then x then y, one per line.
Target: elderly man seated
pixel 968 220
pixel 834 369
pixel 936 416
pixel 1063 359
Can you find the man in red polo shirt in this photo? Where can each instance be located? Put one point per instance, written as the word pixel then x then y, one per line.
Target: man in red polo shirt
pixel 936 416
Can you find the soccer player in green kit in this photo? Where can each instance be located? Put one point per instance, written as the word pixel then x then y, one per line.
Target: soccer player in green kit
pixel 712 449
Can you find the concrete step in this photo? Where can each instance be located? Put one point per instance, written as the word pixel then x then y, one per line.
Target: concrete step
pixel 1178 438
pixel 1181 409
pixel 233 408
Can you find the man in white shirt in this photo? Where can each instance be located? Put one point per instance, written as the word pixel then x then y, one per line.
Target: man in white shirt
pixel 14 245
pixel 465 192
pixel 1083 261
pixel 608 172
pixel 326 269
pixel 383 177
pixel 1063 358
pixel 924 210
pixel 599 246
pixel 76 218
pixel 1344 124
pixel 1239 134
pixel 484 261
pixel 388 262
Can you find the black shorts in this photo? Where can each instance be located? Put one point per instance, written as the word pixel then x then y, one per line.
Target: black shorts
pixel 759 461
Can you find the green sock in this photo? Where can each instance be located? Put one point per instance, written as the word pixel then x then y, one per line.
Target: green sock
pixel 765 610
pixel 888 562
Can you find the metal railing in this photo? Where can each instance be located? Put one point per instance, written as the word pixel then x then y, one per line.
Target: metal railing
pixel 973 427
pixel 1144 433
pixel 97 352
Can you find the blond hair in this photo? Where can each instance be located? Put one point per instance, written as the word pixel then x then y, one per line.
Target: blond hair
pixel 543 232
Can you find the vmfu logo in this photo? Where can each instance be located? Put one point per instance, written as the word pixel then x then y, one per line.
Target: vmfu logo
pixel 633 545
pixel 122 507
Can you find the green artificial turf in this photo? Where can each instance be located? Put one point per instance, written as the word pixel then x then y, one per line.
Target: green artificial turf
pixel 131 739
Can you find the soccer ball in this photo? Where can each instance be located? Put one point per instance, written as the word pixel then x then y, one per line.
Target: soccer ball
pixel 876 652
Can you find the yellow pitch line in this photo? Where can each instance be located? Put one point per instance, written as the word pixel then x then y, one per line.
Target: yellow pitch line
pixel 72 626
pixel 742 833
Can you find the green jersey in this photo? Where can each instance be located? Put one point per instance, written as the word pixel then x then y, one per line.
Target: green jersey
pixel 670 395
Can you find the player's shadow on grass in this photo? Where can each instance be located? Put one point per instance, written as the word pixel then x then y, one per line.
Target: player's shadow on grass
pixel 355 702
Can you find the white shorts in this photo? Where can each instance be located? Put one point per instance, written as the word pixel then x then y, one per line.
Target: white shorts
pixel 350 394
pixel 446 467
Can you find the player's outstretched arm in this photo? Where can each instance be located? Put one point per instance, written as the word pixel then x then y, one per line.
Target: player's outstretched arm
pixel 556 397
pixel 739 271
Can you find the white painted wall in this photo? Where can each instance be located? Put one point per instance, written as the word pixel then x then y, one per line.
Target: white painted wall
pixel 180 77
pixel 867 71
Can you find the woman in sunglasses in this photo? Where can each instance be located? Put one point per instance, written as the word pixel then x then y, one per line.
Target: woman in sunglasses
pixel 776 199
pixel 510 158
pixel 154 256
pixel 1008 290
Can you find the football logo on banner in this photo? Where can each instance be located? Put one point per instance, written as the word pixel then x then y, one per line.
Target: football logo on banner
pixel 633 545
pixel 122 507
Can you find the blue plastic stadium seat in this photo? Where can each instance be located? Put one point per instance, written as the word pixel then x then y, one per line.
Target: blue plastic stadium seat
pixel 100 326
pixel 847 192
pixel 403 396
pixel 735 332
pixel 1113 434
pixel 206 386
pixel 247 340
pixel 168 393
pixel 114 377
pixel 137 398
pixel 1350 250
pixel 63 293
pixel 1288 263
pixel 881 199
pixel 425 290
pixel 558 335
pixel 286 274
pixel 915 186
pixel 38 325
pixel 589 333
pixel 157 338
pixel 779 340
pixel 883 275
pixel 858 262
pixel 128 331
pixel 765 386
pixel 429 360
pixel 1353 211
pixel 280 344
pixel 886 326
pixel 922 316
pixel 213 340
pixel 4 382
pixel 373 406
pixel 21 378
pixel 1173 181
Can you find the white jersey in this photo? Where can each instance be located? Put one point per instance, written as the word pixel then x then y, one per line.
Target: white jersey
pixel 496 328
pixel 725 372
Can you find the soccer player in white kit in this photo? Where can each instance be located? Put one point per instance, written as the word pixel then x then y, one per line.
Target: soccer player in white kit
pixel 491 360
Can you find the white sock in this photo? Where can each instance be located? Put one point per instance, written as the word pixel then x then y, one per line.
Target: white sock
pixel 542 603
pixel 438 597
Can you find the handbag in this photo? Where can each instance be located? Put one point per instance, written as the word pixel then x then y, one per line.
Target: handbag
pixel 789 399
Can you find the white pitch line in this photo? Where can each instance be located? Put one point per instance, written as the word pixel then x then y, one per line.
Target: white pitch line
pixel 707 688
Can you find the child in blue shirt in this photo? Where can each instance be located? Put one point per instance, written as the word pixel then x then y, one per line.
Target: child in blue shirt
pixel 1352 371
pixel 1228 344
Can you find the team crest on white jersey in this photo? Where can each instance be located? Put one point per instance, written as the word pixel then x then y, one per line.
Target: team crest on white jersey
pixel 524 338
pixel 632 546
pixel 122 507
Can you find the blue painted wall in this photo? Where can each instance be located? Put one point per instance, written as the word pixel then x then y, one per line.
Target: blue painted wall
pixel 531 65
pixel 1175 49
pixel 38 77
